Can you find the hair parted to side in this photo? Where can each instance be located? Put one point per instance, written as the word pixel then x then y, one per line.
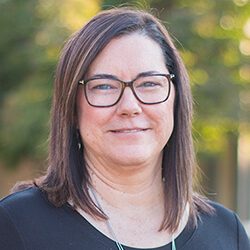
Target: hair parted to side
pixel 67 176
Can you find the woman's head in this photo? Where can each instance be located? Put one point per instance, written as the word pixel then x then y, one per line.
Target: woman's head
pixel 129 132
pixel 67 175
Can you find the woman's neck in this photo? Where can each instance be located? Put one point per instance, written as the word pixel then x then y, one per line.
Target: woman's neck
pixel 131 197
pixel 122 187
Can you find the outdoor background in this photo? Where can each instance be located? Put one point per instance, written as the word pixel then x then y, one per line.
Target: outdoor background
pixel 213 37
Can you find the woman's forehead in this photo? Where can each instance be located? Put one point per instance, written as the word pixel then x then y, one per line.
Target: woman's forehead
pixel 129 54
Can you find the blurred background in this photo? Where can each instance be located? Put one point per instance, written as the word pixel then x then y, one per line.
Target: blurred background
pixel 213 38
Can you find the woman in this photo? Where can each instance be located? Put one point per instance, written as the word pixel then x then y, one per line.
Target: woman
pixel 121 154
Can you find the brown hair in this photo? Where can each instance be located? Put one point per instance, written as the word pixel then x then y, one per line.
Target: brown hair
pixel 67 176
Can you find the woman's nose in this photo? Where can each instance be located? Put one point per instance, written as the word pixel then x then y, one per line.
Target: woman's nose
pixel 128 104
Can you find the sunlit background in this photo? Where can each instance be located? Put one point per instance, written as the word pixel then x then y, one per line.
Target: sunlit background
pixel 213 38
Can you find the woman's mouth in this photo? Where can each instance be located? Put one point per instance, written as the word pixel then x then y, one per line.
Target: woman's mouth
pixel 129 130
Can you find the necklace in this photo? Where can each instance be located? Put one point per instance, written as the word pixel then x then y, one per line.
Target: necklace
pixel 111 231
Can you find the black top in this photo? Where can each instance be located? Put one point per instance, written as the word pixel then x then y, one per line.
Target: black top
pixel 29 221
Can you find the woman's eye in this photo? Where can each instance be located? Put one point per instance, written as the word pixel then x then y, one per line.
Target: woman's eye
pixel 104 87
pixel 149 84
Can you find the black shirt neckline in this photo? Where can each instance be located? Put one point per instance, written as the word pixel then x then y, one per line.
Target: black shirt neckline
pixel 180 241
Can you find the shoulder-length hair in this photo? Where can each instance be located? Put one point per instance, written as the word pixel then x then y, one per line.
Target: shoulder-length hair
pixel 67 176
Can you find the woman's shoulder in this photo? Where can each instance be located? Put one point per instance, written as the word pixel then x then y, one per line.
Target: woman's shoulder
pixel 213 212
pixel 220 229
pixel 24 208
pixel 223 214
pixel 222 221
pixel 23 200
pixel 22 195
pixel 220 210
pixel 220 215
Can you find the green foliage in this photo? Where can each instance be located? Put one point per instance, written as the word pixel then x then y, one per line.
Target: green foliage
pixel 210 33
pixel 32 34
pixel 214 40
pixel 212 36
pixel 23 88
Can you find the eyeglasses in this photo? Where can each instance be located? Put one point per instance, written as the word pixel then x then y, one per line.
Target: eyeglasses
pixel 106 90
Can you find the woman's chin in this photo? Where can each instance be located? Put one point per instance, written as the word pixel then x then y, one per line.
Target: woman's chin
pixel 133 158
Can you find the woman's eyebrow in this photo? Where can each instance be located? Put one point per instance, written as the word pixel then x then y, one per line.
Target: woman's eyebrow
pixel 97 76
pixel 146 73
pixel 110 76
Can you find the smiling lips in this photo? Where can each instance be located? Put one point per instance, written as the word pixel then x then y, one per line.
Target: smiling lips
pixel 129 130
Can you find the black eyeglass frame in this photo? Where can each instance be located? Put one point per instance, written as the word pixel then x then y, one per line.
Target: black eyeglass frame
pixel 124 85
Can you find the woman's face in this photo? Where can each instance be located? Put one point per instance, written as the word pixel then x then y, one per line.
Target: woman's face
pixel 129 133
